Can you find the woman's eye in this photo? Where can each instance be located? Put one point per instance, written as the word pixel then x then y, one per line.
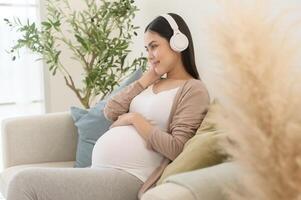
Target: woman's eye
pixel 153 46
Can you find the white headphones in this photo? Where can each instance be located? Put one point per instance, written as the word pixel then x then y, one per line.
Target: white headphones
pixel 178 41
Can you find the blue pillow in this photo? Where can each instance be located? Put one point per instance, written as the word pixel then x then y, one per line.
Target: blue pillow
pixel 91 124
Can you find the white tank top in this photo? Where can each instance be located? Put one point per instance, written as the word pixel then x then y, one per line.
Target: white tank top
pixel 123 148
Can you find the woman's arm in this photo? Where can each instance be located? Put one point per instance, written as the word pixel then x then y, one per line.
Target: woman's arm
pixel 189 114
pixel 120 103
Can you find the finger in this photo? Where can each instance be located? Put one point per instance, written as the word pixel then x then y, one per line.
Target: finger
pixel 114 124
pixel 121 116
pixel 152 122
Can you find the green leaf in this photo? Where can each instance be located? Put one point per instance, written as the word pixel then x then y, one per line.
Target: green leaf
pixel 81 41
pixel 47 25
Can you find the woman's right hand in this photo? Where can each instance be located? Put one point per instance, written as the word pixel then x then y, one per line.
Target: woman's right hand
pixel 149 77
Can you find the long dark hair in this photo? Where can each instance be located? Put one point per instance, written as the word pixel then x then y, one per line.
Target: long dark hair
pixel 161 26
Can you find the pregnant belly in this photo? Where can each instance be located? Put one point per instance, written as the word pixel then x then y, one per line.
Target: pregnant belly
pixel 123 147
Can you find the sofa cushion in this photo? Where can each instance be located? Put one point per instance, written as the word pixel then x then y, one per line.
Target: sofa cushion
pixel 8 173
pixel 91 124
pixel 202 150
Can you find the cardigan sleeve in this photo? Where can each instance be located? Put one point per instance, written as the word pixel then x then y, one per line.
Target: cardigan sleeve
pixel 120 103
pixel 191 109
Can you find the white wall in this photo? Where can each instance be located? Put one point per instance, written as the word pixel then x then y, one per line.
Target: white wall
pixel 58 97
pixel 197 14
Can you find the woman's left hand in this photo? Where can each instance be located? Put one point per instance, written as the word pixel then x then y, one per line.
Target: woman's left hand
pixel 142 125
pixel 124 120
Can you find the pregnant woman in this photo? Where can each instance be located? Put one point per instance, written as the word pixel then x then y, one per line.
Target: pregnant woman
pixel 152 120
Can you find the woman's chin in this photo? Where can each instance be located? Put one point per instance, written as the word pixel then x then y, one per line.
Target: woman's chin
pixel 158 71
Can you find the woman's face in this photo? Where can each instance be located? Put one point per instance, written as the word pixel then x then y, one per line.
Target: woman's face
pixel 160 56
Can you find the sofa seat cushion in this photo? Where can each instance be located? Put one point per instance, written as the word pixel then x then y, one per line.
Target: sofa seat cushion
pixel 8 173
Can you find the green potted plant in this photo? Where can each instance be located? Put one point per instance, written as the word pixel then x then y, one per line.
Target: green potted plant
pixel 98 36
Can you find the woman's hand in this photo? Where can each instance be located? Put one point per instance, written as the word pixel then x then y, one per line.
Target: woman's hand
pixel 142 125
pixel 149 77
pixel 124 120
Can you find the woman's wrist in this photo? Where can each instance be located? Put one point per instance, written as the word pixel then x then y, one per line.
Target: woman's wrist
pixel 149 78
pixel 144 81
pixel 133 118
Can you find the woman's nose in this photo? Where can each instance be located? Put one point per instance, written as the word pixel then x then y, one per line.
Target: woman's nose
pixel 150 55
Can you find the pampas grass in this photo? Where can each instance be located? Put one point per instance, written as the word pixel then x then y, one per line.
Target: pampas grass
pixel 259 55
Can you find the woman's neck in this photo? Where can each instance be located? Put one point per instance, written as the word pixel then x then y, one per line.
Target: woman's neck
pixel 179 73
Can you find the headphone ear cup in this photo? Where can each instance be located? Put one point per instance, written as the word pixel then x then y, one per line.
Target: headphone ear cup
pixel 179 42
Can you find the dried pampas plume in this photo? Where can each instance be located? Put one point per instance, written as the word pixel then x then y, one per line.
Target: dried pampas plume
pixel 260 103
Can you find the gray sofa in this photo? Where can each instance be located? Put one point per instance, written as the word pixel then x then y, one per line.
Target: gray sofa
pixel 50 140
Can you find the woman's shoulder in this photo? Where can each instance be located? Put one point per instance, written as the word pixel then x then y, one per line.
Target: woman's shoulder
pixel 196 84
pixel 195 88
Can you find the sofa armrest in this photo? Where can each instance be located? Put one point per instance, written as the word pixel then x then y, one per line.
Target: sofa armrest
pixel 168 191
pixel 38 139
pixel 209 183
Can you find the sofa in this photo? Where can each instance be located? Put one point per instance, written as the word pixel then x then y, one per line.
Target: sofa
pixel 50 140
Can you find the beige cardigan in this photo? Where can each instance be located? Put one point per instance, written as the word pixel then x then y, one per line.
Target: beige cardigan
pixel 188 110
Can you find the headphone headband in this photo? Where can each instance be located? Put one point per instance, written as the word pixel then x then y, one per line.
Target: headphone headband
pixel 171 21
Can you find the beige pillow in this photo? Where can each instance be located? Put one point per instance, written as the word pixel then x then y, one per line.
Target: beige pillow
pixel 202 150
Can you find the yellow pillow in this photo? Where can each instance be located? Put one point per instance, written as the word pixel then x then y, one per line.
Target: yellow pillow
pixel 202 150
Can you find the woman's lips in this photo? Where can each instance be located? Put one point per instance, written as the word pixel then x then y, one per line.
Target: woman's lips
pixel 155 63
